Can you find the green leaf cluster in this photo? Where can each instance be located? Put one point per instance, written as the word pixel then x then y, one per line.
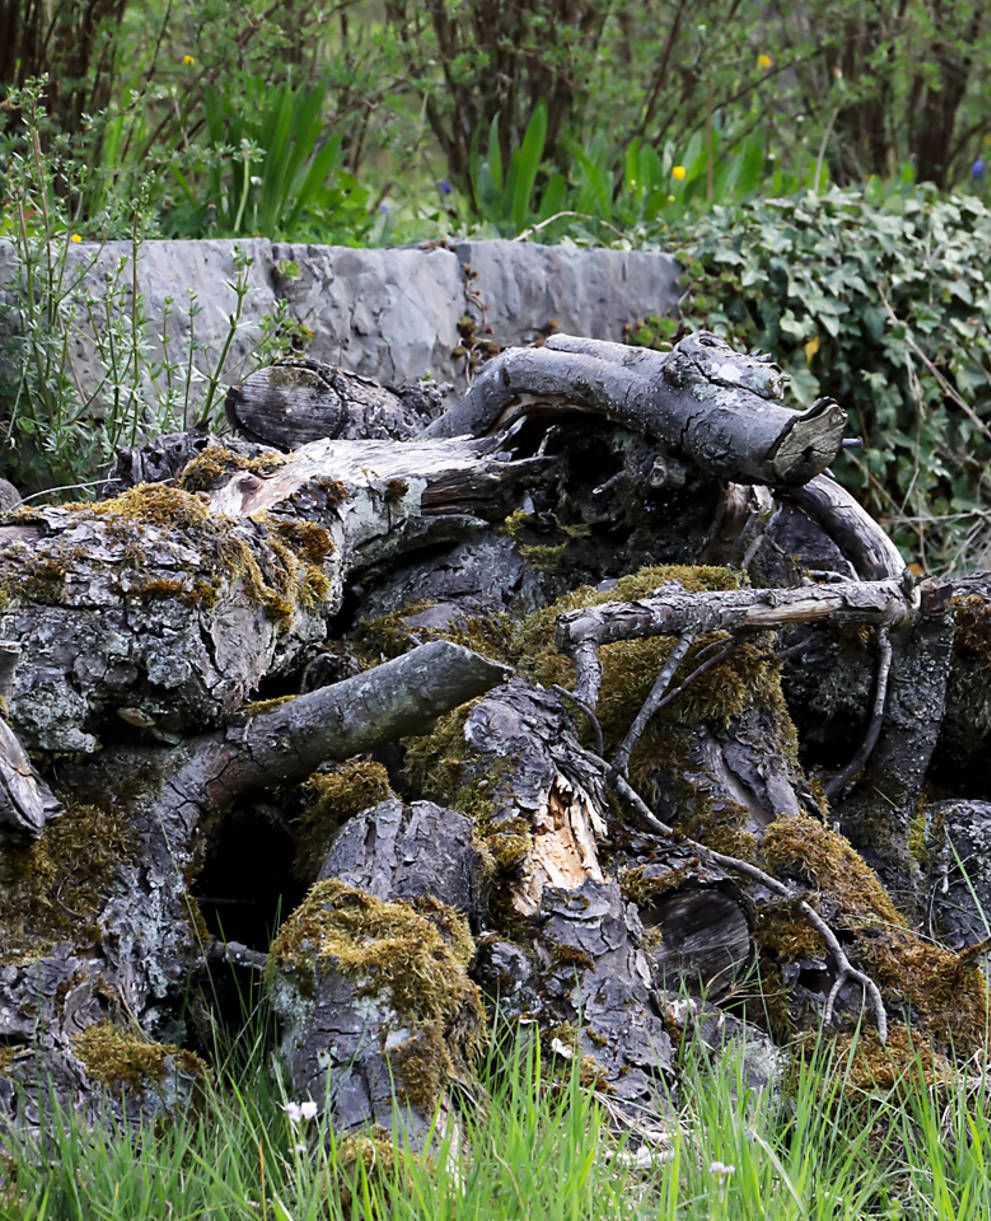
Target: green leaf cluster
pixel 884 304
pixel 269 167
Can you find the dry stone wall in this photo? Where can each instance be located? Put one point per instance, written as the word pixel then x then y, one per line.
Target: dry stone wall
pixel 393 315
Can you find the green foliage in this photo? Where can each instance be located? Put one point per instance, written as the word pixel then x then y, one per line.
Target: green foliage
pixel 884 304
pixel 268 167
pixel 506 198
pixel 58 426
pixel 839 1144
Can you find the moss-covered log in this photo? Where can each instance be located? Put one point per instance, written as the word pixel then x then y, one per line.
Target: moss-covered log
pixel 202 671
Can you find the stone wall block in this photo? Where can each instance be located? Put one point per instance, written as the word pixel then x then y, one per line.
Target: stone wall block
pixel 586 292
pixel 391 315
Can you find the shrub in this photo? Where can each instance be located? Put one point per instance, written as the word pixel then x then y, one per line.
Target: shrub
pixel 885 305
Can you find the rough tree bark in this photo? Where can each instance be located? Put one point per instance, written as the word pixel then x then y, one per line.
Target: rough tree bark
pixel 627 662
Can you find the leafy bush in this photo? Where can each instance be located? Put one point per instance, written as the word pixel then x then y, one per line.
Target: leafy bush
pixel 885 304
pixel 269 167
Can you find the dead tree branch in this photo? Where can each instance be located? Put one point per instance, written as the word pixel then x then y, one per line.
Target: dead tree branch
pixel 717 408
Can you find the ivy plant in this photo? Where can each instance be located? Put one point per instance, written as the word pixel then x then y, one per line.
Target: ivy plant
pixel 884 304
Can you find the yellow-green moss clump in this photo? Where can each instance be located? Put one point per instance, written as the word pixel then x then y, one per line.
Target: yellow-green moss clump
pixel 52 890
pixel 282 574
pixel 412 955
pixel 370 1157
pixel 799 846
pixel 216 464
pixel 748 678
pixel 332 798
pixel 121 1060
pixel 943 999
pixel 388 635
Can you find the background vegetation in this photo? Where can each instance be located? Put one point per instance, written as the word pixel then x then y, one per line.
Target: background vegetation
pixel 821 168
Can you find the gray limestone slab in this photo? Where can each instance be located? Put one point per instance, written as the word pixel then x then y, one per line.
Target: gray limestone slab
pixel 528 290
pixel 391 315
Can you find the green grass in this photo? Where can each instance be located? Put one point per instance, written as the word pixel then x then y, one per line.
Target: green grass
pixel 536 1145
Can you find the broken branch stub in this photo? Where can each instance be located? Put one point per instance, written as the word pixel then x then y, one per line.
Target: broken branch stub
pixel 703 400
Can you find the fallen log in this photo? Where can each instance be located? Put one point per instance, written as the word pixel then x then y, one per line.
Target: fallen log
pixel 483 836
pixel 705 402
pixel 93 974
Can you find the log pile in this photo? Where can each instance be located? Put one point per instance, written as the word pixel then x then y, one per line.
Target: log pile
pixel 592 693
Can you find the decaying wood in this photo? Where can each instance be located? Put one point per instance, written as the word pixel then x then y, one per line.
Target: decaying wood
pixel 874 556
pixel 581 633
pixel 142 940
pixel 298 400
pixel 499 871
pixel 701 399
pixel 164 610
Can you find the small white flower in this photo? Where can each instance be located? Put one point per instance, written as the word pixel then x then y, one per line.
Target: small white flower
pixel 721 1168
pixel 299 1112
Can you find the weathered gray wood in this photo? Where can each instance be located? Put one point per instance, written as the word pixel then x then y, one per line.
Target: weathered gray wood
pixel 874 556
pixel 125 963
pixel 671 612
pixel 347 1037
pixel 163 610
pixel 26 801
pixel 298 400
pixel 702 400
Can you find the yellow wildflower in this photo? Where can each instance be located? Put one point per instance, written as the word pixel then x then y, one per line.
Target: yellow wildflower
pixel 764 61
pixel 679 172
pixel 810 349
pixel 188 60
pixel 75 238
pixel 670 199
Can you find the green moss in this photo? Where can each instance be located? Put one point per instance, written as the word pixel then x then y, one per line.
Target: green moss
pixel 372 1158
pixel 52 890
pixel 393 948
pixel 258 707
pixel 643 887
pixel 414 955
pixel 388 635
pixel 571 956
pixel 719 824
pixel 799 846
pixel 216 464
pixel 308 540
pixel 332 798
pixel 928 985
pixel 782 930
pixel 421 1066
pixel 395 490
pixel 544 555
pixel 434 761
pixel 120 1059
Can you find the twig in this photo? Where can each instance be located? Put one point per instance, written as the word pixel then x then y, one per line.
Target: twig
pixel 650 705
pixel 235 953
pixel 589 712
pixel 845 969
pixel 520 237
pixel 839 783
